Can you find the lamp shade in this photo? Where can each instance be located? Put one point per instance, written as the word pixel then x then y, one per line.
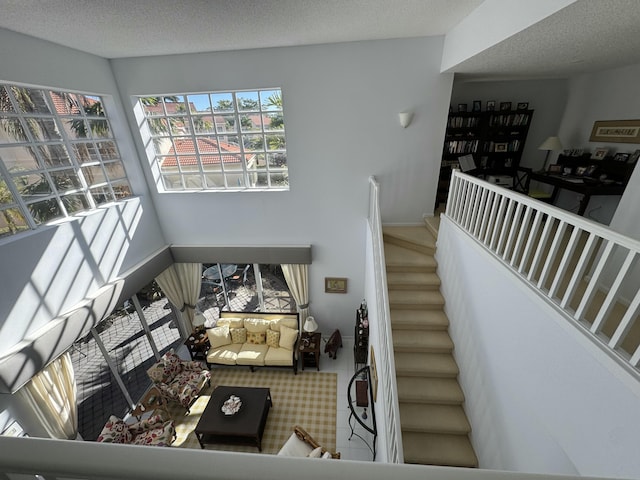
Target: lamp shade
pixel 405 118
pixel 310 325
pixel 551 143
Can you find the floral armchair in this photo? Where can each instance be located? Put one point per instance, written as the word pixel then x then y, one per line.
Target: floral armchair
pixel 157 430
pixel 179 380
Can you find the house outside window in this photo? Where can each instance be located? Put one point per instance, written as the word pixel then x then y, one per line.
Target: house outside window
pixel 232 140
pixel 58 156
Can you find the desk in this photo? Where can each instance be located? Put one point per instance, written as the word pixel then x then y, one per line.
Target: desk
pixel 213 272
pixel 574 184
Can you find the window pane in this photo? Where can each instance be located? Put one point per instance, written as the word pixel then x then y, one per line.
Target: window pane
pixel 85 152
pixel 193 181
pixel 211 163
pixel 11 130
pixel 65 103
pixel 280 180
pixel 30 100
pixel 5 101
pixel 18 159
pixel 45 210
pixel 121 189
pixel 152 106
pixel 115 170
pixel 275 142
pixel 235 180
pixel 92 105
pixel 179 125
pixel 199 103
pixel 101 195
pixel 75 202
pixel 225 124
pixel 12 221
pixel 65 180
pixel 248 101
pixel 54 155
pixel 203 124
pixel 6 197
pixel 100 128
pixel 253 143
pixel 33 185
pixel 222 102
pixel 271 100
pixel 43 129
pixel 108 151
pixel 94 175
pixel 251 123
pixel 277 160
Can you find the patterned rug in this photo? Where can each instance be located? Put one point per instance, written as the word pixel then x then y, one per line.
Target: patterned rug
pixel 307 399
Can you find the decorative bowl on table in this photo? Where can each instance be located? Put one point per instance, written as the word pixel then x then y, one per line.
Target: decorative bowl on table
pixel 232 405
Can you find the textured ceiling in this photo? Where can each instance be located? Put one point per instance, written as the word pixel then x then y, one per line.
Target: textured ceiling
pixel 131 28
pixel 588 35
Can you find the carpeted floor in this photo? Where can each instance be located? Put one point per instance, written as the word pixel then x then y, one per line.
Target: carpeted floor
pixel 307 399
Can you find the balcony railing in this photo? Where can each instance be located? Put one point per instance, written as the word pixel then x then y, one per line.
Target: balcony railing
pixel 385 363
pixel 586 270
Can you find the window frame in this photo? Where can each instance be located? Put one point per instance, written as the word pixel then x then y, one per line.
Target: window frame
pixel 250 178
pixel 69 165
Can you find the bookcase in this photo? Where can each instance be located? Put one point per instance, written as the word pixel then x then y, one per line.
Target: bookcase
pixel 495 139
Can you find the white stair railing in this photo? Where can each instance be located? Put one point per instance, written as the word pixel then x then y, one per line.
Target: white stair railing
pixel 385 362
pixel 586 270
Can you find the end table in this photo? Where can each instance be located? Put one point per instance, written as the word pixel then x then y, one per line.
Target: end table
pixel 310 350
pixel 151 400
pixel 198 345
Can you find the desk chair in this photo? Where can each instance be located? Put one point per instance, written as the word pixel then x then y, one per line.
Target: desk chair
pixel 522 184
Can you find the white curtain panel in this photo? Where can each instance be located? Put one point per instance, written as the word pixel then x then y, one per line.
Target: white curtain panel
pixel 51 395
pixel 181 284
pixel 297 277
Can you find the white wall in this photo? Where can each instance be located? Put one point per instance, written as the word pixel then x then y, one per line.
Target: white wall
pixel 547 98
pixel 540 397
pixel 341 113
pixel 47 271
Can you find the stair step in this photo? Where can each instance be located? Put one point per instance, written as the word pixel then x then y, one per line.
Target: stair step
pixel 422 341
pixel 413 280
pixel 441 365
pixel 445 391
pixel 415 299
pixel 418 319
pixel 416 238
pixel 433 225
pixel 438 449
pixel 430 418
pixel 399 259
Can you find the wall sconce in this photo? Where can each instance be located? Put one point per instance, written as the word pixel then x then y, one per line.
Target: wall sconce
pixel 405 118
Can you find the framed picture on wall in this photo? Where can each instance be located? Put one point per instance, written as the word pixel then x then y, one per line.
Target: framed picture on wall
pixel 477 105
pixel 335 285
pixel 505 106
pixel 491 105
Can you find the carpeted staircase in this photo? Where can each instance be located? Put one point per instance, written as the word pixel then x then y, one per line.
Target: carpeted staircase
pixel 434 425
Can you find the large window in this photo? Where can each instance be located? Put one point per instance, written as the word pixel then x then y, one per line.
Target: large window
pixel 57 156
pixel 217 141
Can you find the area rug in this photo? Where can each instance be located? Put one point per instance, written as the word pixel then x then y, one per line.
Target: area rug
pixel 307 399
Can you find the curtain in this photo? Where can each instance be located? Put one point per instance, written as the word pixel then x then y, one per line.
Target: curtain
pixel 51 396
pixel 181 284
pixel 297 277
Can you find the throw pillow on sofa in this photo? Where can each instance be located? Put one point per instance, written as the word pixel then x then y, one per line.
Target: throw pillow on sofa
pixel 257 338
pixel 238 335
pixel 288 337
pixel 273 338
pixel 219 336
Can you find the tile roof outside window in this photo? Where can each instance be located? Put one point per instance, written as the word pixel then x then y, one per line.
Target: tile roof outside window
pixel 57 156
pixel 217 140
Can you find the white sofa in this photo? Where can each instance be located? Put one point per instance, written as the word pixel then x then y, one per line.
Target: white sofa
pixel 254 339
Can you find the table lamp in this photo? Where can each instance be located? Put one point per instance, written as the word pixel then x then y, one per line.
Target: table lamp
pixel 550 144
pixel 310 325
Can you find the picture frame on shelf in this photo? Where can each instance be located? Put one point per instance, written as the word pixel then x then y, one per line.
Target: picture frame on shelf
pixel 335 285
pixel 462 107
pixel 523 106
pixel 600 153
pixel 505 106
pixel 633 158
pixel 621 157
pixel 591 169
pixel 581 171
pixel 491 105
pixel 555 168
pixel 477 106
pixel 501 147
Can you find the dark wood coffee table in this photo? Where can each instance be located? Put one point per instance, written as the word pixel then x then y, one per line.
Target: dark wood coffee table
pixel 245 427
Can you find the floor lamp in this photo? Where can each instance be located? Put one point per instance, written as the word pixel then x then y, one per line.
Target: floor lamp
pixel 550 144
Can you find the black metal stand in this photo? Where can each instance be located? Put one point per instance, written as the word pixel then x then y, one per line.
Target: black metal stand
pixel 363 399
